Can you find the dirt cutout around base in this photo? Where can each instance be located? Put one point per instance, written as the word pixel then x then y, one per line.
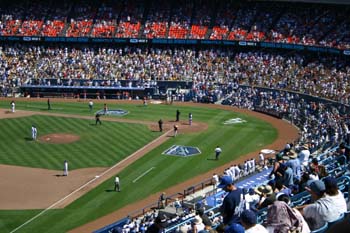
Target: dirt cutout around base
pixel 59 138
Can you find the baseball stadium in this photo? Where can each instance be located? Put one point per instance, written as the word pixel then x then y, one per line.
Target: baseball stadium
pixel 174 116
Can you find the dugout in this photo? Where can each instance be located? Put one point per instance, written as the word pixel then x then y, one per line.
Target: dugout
pixel 84 92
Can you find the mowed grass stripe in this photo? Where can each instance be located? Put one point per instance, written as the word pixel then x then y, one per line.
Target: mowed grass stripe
pixel 109 148
pixel 12 133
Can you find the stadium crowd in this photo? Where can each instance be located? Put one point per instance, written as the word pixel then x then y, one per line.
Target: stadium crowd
pixel 299 23
pixel 211 70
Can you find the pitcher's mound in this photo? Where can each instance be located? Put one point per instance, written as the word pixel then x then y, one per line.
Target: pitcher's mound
pixel 59 138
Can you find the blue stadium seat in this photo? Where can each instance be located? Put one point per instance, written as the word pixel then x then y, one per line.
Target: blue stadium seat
pixel 341 217
pixel 322 229
pixel 346 214
pixel 346 196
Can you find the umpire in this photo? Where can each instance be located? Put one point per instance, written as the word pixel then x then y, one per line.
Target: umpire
pixel 160 124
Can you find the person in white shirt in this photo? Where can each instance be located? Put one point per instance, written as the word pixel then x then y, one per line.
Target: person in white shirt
pixel 261 160
pixel 237 172
pixel 233 174
pixel 253 165
pixel 197 224
pixel 329 204
pixel 304 155
pixel 217 152
pixel 13 106
pixel 34 132
pixel 117 184
pixel 215 180
pixel 65 168
pixel 91 104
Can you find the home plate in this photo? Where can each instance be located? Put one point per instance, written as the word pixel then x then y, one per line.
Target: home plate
pixel 48 139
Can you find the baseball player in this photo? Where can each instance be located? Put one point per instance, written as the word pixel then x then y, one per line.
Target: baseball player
pixel 34 132
pixel 190 118
pixel 117 184
pixel 91 104
pixel 175 130
pixel 65 168
pixel 13 106
pixel 217 152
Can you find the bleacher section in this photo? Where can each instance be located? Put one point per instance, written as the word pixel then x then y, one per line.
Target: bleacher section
pixel 197 19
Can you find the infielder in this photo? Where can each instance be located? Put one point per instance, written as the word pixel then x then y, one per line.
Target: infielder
pixel 65 168
pixel 34 132
pixel 91 104
pixel 13 106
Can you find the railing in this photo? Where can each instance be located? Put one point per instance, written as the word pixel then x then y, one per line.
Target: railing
pixel 164 41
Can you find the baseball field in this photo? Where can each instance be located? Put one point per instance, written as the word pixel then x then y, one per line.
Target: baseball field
pixel 34 195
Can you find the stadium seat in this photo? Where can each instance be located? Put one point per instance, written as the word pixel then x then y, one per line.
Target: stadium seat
pixel 322 229
pixel 341 217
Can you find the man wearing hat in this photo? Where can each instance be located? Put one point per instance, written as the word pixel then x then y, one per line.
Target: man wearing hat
pixel 267 196
pixel 322 210
pixel 234 228
pixel 233 203
pixel 249 222
pixel 197 224
pixel 294 164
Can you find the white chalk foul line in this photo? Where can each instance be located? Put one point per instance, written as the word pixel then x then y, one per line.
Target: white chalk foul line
pixel 143 174
pixel 89 182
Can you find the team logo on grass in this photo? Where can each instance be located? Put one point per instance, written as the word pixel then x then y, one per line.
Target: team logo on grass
pixel 113 112
pixel 234 121
pixel 183 151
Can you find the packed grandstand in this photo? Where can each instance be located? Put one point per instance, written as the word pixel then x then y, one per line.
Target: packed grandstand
pixel 209 48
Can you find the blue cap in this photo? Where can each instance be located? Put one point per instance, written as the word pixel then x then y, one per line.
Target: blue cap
pixel 330 182
pixel 224 181
pixel 248 217
pixel 234 228
pixel 316 187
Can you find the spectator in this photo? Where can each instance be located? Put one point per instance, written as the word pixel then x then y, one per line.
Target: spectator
pixel 304 155
pixel 197 224
pixel 267 196
pixel 234 228
pixel 325 208
pixel 294 164
pixel 249 222
pixel 206 220
pixel 285 198
pixel 159 224
pixel 281 218
pixel 233 203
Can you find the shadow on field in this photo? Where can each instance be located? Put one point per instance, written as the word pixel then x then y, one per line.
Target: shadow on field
pixel 28 139
pixel 110 190
pixel 212 159
pixel 155 131
pixel 59 175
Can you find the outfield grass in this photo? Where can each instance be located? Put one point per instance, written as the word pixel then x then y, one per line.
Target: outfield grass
pixel 235 140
